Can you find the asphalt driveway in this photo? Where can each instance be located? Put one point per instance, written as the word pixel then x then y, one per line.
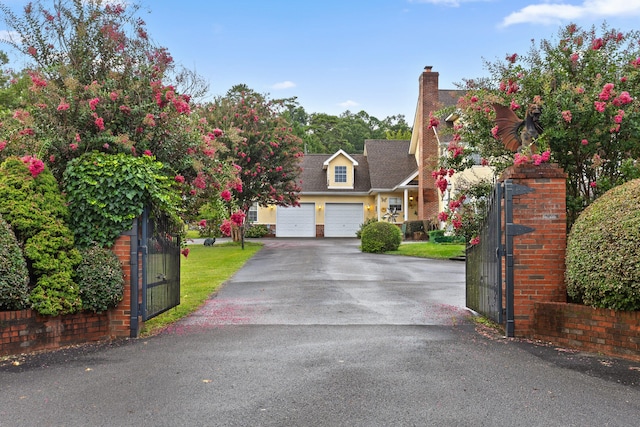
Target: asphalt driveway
pixel 315 333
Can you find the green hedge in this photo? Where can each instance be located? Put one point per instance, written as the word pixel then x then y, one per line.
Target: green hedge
pixel 14 276
pixel 100 279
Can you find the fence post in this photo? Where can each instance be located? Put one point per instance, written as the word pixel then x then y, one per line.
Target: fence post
pixel 538 256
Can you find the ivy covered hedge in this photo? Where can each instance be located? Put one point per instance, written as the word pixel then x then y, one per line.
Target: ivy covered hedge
pixel 603 251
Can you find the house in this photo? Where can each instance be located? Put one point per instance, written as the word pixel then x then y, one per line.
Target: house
pixel 391 180
pixel 341 191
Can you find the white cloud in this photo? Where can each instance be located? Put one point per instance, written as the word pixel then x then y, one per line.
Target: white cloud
pixel 348 103
pixel 9 35
pixel 283 85
pixel 554 13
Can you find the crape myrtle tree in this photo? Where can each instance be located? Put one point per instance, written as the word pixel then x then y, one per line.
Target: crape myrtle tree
pixel 96 82
pixel 587 82
pixel 263 148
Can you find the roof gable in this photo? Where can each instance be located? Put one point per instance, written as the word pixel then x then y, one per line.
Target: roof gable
pixel 340 152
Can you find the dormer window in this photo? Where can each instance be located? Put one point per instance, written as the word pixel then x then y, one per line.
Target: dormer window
pixel 340 173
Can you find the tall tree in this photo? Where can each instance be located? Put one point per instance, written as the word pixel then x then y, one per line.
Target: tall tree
pixel 261 144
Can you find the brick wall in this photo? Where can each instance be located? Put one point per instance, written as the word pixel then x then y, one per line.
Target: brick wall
pixel 25 331
pixel 590 329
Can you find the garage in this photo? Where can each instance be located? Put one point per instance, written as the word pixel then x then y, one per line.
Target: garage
pixel 296 221
pixel 343 219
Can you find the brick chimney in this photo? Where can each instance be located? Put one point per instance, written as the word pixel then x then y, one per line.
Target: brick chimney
pixel 428 101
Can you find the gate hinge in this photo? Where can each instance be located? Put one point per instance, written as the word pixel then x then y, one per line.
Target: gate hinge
pixel 519 190
pixel 517 229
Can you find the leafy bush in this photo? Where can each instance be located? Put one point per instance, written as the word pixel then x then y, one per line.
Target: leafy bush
pixel 100 279
pixel 256 231
pixel 14 276
pixel 107 191
pixel 603 249
pixel 438 236
pixel 381 236
pixel 362 226
pixel 32 204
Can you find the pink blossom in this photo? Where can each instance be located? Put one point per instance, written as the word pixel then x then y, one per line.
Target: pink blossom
pixel 597 44
pixel 113 96
pixel 454 204
pixel 99 123
pixel 32 51
pixel 520 159
pixel 217 132
pixel 185 252
pixel 566 115
pixel 442 183
pixel 237 218
pixel 474 241
pixel 200 182
pixel 226 195
pixel 619 116
pixel 456 223
pixel 125 109
pixel 625 98
pixel 63 106
pixel 225 228
pixel 593 184
pixel 238 187
pixel 512 58
pixel 105 146
pixel 443 216
pixel 494 132
pixel 147 153
pixel 93 102
pixel 514 105
pixel 584 142
pixel 179 179
pixel 202 223
pixel 537 159
pixel 433 121
pixel 474 99
pixel 36 166
pixel 73 147
pixel 546 156
pixel 3 144
pixel 574 57
pixel 77 137
pixel 600 106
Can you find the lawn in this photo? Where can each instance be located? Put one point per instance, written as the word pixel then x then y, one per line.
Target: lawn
pixel 201 273
pixel 429 250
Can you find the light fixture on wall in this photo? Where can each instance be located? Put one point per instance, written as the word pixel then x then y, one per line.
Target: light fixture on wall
pixel 368 207
pixel 319 207
pixel 410 201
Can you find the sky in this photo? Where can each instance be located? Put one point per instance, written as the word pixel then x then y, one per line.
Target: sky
pixel 359 55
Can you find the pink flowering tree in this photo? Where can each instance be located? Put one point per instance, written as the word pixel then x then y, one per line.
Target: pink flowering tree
pixel 96 82
pixel 587 84
pixel 262 146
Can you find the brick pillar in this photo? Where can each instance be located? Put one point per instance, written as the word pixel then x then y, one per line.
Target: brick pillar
pixel 428 101
pixel 120 316
pixel 538 256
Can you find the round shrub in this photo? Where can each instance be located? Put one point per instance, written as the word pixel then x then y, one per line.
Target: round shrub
pixel 603 251
pixel 380 236
pixel 14 276
pixel 100 279
pixel 256 231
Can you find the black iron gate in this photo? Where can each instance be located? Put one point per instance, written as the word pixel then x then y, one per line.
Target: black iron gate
pixel 160 248
pixel 484 261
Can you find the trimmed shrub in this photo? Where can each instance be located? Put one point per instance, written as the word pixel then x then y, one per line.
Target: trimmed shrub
pixel 362 226
pixel 438 236
pixel 603 251
pixel 14 276
pixel 31 202
pixel 100 279
pixel 255 231
pixel 380 236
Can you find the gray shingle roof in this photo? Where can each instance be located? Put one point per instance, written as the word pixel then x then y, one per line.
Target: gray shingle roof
pixel 386 165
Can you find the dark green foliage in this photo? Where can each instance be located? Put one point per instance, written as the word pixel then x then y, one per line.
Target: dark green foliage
pixel 438 236
pixel 256 231
pixel 362 226
pixel 14 276
pixel 107 191
pixel 36 211
pixel 100 279
pixel 381 236
pixel 603 251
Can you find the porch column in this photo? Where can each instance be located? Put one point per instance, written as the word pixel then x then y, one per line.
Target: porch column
pixel 378 206
pixel 405 204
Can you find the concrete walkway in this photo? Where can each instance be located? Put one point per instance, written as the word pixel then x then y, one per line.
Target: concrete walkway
pixel 315 333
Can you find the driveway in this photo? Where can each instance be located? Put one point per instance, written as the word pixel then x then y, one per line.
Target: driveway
pixel 315 333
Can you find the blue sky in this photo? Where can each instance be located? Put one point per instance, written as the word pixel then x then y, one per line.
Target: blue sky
pixel 338 55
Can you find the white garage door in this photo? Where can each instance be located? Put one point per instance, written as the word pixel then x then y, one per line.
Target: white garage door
pixel 342 219
pixel 299 221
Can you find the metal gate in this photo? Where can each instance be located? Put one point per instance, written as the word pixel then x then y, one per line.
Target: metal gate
pixel 486 261
pixel 160 248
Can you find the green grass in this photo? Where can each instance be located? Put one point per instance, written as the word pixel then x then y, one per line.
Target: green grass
pixel 429 250
pixel 201 273
pixel 193 234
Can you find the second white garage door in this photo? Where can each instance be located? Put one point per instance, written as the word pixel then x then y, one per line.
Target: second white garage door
pixel 299 221
pixel 343 219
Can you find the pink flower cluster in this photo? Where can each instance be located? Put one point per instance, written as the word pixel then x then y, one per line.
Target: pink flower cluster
pixel 441 178
pixel 536 159
pixel 36 166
